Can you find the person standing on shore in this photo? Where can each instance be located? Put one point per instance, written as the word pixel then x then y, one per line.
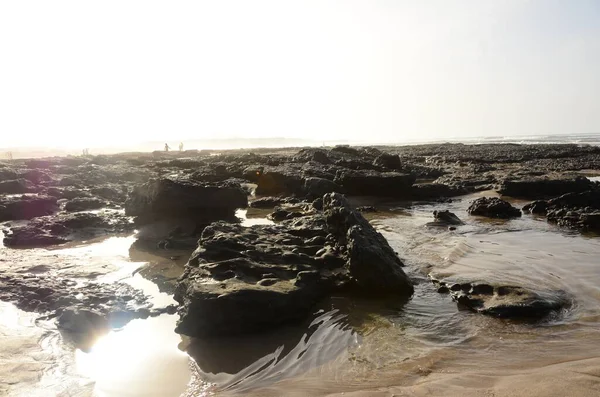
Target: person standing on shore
pixel 167 147
pixel 181 146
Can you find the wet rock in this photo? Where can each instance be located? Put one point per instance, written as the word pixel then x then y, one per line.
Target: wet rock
pixel 68 193
pixel 374 183
pixel 117 195
pixel 446 218
pixel 251 279
pixel 17 186
pixel 84 204
pixel 173 212
pixel 493 207
pixel 544 187
pixel 267 202
pixel 26 206
pixel 84 310
pixel 367 209
pixel 60 228
pixel 580 211
pixel 506 301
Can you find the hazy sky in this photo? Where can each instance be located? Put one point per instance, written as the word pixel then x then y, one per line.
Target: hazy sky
pixel 87 73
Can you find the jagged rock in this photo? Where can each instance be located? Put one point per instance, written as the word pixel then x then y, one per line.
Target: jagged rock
pixel 374 183
pixel 493 207
pixel 505 301
pixel 579 211
pixel 27 206
pixel 84 204
pixel 242 280
pixel 544 187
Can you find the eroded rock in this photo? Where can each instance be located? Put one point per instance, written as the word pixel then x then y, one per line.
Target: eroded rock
pixel 505 301
pixel 242 280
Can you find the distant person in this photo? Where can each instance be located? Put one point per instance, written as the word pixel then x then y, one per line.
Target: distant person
pixel 9 155
pixel 181 146
pixel 167 147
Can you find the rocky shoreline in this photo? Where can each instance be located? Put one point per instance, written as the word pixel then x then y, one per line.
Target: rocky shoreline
pixel 248 279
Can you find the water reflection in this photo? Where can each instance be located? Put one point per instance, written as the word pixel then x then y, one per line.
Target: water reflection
pixel 249 362
pixel 142 359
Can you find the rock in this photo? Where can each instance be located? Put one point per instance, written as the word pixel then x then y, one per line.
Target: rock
pixel 58 229
pixel 318 187
pixel 17 186
pixel 81 320
pixel 429 191
pixel 374 183
pixel 389 161
pixel 26 206
pixel 544 187
pixel 171 213
pixel 68 193
pixel 367 209
pixel 84 204
pixel 167 198
pixel 278 180
pixel 7 174
pixel 493 207
pixel 267 202
pixel 446 218
pixel 580 211
pixel 251 279
pixel 110 193
pixel 505 301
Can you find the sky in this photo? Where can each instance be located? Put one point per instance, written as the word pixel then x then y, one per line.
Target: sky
pixel 108 73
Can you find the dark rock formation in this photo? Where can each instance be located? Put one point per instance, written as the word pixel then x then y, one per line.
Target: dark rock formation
pixel 58 229
pixel 267 202
pixel 446 218
pixel 84 204
pixel 428 191
pixel 242 280
pixel 374 183
pixel 580 211
pixel 389 161
pixel 493 207
pixel 168 198
pixel 505 301
pixel 173 213
pixel 317 187
pixel 26 206
pixel 544 187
